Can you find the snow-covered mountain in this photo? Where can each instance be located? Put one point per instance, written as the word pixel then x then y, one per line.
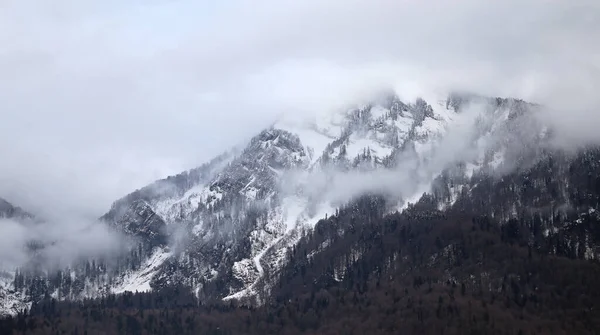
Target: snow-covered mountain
pixel 225 228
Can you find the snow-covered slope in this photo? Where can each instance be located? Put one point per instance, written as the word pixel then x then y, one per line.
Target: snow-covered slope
pixel 12 301
pixel 242 220
pixel 225 228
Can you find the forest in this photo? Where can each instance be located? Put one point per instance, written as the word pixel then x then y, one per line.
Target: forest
pixel 422 271
pixel 500 260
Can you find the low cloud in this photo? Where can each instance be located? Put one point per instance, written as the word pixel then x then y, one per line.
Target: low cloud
pixel 63 243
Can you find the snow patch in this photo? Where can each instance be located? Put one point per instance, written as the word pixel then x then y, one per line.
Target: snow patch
pixel 357 146
pixel 139 281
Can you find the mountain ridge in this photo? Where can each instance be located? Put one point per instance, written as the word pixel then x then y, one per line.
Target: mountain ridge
pixel 366 136
pixel 225 228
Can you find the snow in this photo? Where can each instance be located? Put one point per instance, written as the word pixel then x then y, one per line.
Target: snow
pixel 250 290
pixel 315 132
pixel 253 179
pixel 167 208
pixel 442 118
pixel 249 191
pixel 294 214
pixel 241 294
pixel 11 302
pixel 309 138
pixel 260 255
pixel 437 99
pixel 197 229
pixel 430 127
pixel 171 208
pixel 378 111
pixel 244 270
pixel 404 123
pixel 163 208
pixel 139 281
pixel 357 146
pixel 454 194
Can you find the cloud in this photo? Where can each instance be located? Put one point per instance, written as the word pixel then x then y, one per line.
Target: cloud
pixel 102 97
pixel 12 240
pixel 66 241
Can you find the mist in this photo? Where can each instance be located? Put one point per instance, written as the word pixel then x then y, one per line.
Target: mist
pixel 62 243
pixel 99 98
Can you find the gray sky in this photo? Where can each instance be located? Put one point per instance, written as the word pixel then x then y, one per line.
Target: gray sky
pixel 98 98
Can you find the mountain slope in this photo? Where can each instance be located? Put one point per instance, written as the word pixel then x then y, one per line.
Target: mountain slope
pixel 226 229
pixel 243 220
pixel 232 229
pixel 422 271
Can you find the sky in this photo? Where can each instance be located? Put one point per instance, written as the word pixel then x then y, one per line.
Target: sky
pixel 98 98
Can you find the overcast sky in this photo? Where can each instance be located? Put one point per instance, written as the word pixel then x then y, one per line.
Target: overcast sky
pixel 98 98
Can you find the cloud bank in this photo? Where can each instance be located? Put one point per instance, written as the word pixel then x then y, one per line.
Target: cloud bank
pixel 101 97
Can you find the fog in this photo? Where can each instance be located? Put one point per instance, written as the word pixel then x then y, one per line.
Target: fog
pixel 98 98
pixel 64 242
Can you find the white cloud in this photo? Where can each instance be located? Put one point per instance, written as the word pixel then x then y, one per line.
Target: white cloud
pixel 101 97
pixel 84 238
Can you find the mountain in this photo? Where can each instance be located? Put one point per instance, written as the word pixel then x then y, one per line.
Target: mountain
pixel 513 254
pixel 224 227
pixel 231 229
pixel 241 213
